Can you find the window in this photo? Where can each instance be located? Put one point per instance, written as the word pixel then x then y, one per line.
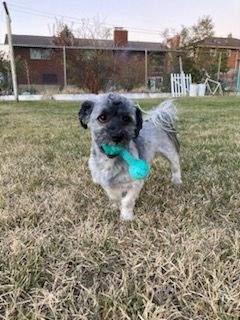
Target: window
pixel 40 54
pixel 49 78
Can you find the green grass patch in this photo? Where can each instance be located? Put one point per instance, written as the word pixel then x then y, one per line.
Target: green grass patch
pixel 66 255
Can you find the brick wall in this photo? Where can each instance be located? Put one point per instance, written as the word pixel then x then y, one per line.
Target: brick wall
pixel 233 58
pixel 53 66
pixel 120 37
pixel 37 68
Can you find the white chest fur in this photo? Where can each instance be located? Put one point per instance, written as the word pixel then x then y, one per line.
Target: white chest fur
pixel 109 172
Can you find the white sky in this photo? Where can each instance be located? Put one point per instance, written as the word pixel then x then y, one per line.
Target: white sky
pixel 37 17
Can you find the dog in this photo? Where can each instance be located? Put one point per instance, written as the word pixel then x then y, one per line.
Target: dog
pixel 114 119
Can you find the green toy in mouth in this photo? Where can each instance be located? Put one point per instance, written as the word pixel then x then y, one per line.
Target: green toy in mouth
pixel 138 169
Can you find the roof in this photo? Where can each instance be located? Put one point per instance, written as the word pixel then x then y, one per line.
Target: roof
pixel 42 41
pixel 232 43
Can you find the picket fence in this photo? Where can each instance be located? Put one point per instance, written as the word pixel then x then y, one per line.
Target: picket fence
pixel 180 84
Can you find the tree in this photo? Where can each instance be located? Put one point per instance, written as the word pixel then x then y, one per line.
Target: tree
pixel 204 28
pixel 129 71
pixel 91 70
pixel 4 72
pixel 97 69
pixel 63 35
pixel 197 60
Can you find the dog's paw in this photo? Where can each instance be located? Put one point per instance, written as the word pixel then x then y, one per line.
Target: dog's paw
pixel 176 180
pixel 127 216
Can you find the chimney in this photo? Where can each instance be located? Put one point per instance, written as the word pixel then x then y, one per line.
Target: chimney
pixel 174 42
pixel 120 37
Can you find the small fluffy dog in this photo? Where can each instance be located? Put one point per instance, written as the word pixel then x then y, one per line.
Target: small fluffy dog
pixel 114 119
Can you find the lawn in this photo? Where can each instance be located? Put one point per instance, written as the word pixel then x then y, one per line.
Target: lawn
pixel 66 255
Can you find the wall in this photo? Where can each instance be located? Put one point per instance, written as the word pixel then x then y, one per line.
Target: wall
pixel 38 67
pixel 126 72
pixel 233 58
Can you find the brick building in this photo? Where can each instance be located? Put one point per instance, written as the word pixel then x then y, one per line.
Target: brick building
pixel 231 46
pixel 43 62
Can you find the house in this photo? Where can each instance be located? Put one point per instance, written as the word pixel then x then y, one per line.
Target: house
pixel 229 45
pixel 43 62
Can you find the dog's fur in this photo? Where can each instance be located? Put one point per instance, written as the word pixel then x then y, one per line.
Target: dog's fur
pixel 144 139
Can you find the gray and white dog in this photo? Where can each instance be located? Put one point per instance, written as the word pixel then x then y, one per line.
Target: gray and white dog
pixel 114 119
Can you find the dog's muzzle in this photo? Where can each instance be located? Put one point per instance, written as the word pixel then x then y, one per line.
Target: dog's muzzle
pixel 117 138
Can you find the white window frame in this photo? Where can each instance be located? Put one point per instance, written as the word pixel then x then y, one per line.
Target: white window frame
pixel 40 53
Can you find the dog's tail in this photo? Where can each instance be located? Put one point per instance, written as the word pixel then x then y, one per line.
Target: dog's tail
pixel 165 117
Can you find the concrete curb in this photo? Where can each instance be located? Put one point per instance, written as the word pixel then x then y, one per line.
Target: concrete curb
pixel 80 97
pixel 84 96
pixel 30 97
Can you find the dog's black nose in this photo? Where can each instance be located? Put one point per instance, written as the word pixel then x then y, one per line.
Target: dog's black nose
pixel 117 138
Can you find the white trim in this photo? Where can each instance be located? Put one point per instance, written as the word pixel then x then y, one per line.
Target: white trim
pixel 84 96
pixel 23 97
pixel 80 97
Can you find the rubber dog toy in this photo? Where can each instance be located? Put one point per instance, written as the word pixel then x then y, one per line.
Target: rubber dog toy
pixel 138 169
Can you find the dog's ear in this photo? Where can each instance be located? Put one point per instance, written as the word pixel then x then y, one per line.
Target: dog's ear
pixel 139 121
pixel 85 112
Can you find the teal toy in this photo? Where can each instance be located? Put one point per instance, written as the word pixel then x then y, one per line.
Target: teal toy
pixel 137 168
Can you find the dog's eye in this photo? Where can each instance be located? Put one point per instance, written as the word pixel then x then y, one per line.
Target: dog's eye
pixel 103 118
pixel 126 119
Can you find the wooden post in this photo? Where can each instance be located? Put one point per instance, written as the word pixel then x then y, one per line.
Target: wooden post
pixel 219 65
pixel 182 79
pixel 180 64
pixel 146 68
pixel 238 79
pixel 172 86
pixel 12 58
pixel 64 66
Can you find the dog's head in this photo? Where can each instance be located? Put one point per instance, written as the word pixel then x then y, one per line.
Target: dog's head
pixel 112 119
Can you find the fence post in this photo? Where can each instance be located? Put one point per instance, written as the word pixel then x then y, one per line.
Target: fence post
pixel 219 65
pixel 146 69
pixel 172 88
pixel 238 79
pixel 64 66
pixel 183 85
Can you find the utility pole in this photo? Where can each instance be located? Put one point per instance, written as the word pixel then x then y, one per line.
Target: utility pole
pixel 12 59
pixel 219 65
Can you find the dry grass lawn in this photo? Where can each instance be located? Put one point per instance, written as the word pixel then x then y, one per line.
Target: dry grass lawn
pixel 65 254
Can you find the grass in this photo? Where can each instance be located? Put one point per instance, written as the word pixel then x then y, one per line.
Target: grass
pixel 66 255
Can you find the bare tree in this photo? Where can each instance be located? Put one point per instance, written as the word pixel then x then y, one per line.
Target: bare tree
pixel 26 67
pixel 99 66
pixel 63 34
pixel 93 29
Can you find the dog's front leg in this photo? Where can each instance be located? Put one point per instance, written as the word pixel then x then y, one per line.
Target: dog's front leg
pixel 114 195
pixel 128 200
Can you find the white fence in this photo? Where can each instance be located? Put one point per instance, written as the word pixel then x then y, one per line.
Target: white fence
pixel 180 84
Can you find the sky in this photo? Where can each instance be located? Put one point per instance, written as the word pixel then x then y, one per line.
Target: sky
pixel 145 19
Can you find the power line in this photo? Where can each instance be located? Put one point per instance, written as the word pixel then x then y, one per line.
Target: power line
pixel 54 17
pixel 25 10
pixel 77 19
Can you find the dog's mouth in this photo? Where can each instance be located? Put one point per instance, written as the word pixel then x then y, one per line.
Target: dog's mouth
pixel 108 155
pixel 111 156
